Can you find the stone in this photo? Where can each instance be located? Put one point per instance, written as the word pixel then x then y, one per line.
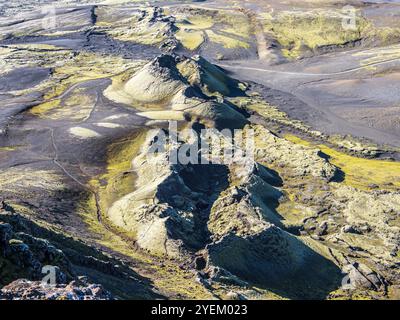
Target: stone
pixel 35 290
pixel 231 295
pixel 350 229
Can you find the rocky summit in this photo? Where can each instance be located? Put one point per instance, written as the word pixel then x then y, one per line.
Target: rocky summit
pixel 199 150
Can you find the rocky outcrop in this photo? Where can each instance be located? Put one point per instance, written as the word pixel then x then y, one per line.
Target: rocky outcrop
pixel 273 259
pixel 250 241
pixel 368 227
pixel 210 78
pixel 55 267
pixel 35 290
pixel 300 159
pixel 23 255
pixel 374 213
pixel 147 26
pixel 247 207
pixel 362 277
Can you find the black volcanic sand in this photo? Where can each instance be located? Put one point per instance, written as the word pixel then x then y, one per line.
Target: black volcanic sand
pixel 23 78
pixel 19 79
pixel 332 93
pixel 35 131
pixel 13 105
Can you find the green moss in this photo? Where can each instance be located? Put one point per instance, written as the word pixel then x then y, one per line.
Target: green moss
pixel 227 42
pixel 45 107
pixel 116 182
pixel 235 23
pixel 275 116
pixel 190 39
pixel 231 22
pixel 196 22
pixel 172 280
pixel 83 67
pixel 268 112
pixel 313 29
pixel 359 172
pixel 388 35
pixel 8 148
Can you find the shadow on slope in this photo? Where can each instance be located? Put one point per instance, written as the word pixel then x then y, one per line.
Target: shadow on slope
pixel 279 262
pixel 82 259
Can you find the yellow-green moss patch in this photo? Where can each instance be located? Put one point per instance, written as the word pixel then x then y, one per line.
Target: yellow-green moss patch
pixel 196 22
pixel 359 172
pixel 294 29
pixel 190 39
pixel 227 42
